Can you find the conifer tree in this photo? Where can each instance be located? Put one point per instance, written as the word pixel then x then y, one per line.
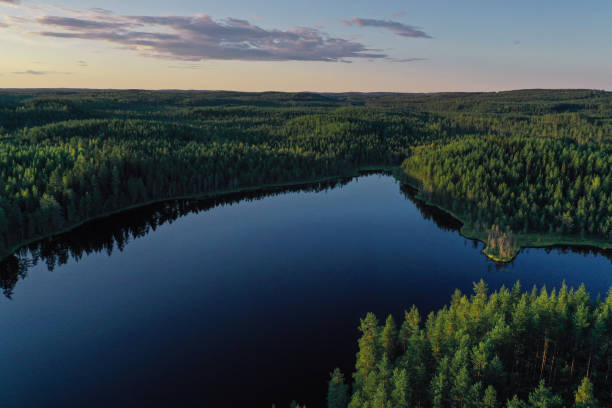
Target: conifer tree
pixel 400 396
pixel 490 398
pixel 369 350
pixel 410 326
pixel 543 397
pixel 337 392
pixel 461 387
pixel 584 395
pixel 388 338
pixel 515 402
pixel 440 385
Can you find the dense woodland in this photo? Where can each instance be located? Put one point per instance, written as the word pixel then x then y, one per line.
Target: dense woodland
pixel 526 184
pixel 514 349
pixel 68 156
pixel 519 162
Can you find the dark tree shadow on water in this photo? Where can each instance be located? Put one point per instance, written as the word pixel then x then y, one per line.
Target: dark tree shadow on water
pixel 447 222
pixel 113 233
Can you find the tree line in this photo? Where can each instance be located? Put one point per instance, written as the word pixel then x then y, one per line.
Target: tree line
pixel 509 348
pixel 69 156
pixel 544 185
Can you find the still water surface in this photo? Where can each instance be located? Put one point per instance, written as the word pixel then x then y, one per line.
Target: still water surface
pixel 246 301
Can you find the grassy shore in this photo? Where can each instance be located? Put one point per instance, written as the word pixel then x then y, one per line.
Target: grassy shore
pixel 354 173
pixel 523 240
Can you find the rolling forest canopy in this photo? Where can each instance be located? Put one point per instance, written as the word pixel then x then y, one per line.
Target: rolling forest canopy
pixel 509 349
pixel 517 168
pixel 524 162
pixel 557 187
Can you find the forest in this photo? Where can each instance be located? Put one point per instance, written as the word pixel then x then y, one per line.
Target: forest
pixel 511 348
pixel 519 168
pixel 527 186
pixel 532 166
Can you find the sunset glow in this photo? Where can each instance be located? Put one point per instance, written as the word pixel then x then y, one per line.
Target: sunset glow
pixel 316 46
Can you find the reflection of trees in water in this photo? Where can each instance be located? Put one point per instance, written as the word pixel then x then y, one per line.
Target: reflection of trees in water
pixel 116 231
pixel 442 219
pixel 584 250
pixel 12 269
pixel 447 222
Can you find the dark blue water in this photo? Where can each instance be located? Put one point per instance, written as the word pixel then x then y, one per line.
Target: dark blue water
pixel 252 302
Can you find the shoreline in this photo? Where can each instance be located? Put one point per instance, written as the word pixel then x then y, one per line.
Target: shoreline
pixel 354 173
pixel 529 240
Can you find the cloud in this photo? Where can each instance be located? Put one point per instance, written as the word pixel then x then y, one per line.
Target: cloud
pixel 11 3
pixel 405 59
pixel 184 66
pixel 32 72
pixel 198 37
pixel 396 27
pixel 71 23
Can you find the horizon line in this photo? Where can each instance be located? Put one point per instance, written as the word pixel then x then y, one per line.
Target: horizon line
pixel 301 91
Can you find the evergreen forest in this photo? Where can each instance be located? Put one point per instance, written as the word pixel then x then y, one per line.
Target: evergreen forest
pixel 517 168
pixel 507 349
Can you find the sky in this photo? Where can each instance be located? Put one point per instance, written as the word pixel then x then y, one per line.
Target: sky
pixel 314 45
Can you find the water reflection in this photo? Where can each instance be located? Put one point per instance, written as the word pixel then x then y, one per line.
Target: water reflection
pixel 446 222
pixel 243 293
pixel 115 232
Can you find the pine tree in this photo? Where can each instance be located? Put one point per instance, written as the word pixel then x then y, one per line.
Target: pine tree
pixel 337 392
pixel 585 397
pixel 461 386
pixel 490 398
pixel 410 326
pixel 481 358
pixel 400 395
pixel 473 398
pixel 381 399
pixel 369 350
pixel 440 385
pixel 515 402
pixel 543 397
pixel 388 338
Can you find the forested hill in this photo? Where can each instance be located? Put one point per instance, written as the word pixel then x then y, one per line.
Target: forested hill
pixel 514 349
pixel 68 156
pixel 526 190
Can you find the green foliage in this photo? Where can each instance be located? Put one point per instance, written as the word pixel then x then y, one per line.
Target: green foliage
pixel 66 157
pixel 524 161
pixel 543 397
pixel 585 397
pixel 524 184
pixel 515 402
pixel 490 398
pixel 508 348
pixel 400 396
pixel 388 338
pixel 337 392
pixel 71 157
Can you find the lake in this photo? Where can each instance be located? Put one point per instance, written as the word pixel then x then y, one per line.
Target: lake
pixel 247 299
